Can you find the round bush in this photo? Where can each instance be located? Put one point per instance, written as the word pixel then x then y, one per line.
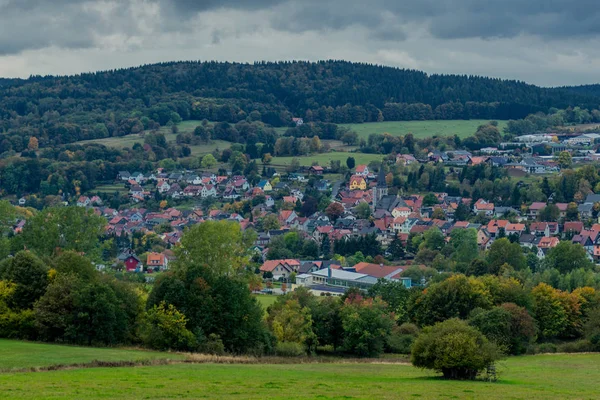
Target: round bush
pixel 455 349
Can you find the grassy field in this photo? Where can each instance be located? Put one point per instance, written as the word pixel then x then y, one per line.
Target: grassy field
pixel 324 158
pixel 130 140
pixel 110 188
pixel 530 377
pixel 184 127
pixel 421 129
pixel 266 300
pixel 16 354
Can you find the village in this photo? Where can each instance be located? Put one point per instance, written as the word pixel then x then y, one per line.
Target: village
pixel 357 205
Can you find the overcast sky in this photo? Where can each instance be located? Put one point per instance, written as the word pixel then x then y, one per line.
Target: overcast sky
pixel 545 42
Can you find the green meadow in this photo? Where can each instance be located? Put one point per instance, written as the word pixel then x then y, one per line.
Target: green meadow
pixel 556 376
pixel 422 129
pixel 16 355
pixel 323 159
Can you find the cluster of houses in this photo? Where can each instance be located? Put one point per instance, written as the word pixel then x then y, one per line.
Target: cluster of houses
pixel 179 185
pixel 391 216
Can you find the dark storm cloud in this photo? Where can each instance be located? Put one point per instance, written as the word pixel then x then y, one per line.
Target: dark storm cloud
pixel 36 24
pixel 450 19
pixel 445 19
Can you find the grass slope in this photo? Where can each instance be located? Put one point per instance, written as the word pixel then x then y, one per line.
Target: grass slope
pixel 530 377
pixel 16 354
pixel 324 158
pixel 422 129
pixel 184 127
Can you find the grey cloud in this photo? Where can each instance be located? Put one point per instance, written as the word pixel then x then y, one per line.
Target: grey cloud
pixel 31 25
pixel 445 19
pixel 35 24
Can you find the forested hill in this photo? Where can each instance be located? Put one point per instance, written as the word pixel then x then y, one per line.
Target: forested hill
pixel 590 90
pixel 5 82
pixel 114 103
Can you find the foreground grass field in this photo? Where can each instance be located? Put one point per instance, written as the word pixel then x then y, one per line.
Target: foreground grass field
pixel 422 129
pixel 530 377
pixel 16 354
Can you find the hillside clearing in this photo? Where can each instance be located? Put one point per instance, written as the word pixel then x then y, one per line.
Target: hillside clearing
pixel 324 159
pixel 422 129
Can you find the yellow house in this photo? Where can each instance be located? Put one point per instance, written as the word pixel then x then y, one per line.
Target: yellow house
pixel 357 182
pixel 265 185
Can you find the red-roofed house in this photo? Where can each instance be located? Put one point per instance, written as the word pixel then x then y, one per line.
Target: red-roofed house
pixel 482 206
pixel 280 268
pixel 535 208
pixel 514 229
pixel 545 244
pixel 286 217
pixel 316 169
pixel 362 170
pixel 573 227
pixel 157 261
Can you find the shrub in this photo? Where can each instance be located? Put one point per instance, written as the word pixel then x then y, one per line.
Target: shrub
pixel 455 349
pixel 17 324
pixel 579 346
pixel 547 348
pixel 164 328
pixel 408 329
pixel 402 338
pixel 212 345
pixel 290 349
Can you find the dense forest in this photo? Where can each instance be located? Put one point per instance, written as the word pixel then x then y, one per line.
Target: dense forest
pixel 590 90
pixel 60 110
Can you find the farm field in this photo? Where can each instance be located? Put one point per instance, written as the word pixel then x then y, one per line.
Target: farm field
pixel 324 158
pixel 17 354
pixel 422 129
pixel 573 376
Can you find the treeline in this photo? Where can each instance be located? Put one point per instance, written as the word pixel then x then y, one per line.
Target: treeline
pixel 553 120
pixel 493 184
pixel 59 110
pixel 52 292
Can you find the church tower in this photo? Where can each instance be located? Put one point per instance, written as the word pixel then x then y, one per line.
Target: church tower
pixel 381 189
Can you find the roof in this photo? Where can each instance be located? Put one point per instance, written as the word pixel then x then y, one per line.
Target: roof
pixel 537 205
pixel 548 242
pixel 155 259
pixel 576 226
pixel 361 168
pixel 270 265
pixel 345 275
pixel 357 179
pixel 377 270
pixel 515 227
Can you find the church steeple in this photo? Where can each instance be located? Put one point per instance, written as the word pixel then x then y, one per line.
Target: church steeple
pixel 381 182
pixel 381 189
